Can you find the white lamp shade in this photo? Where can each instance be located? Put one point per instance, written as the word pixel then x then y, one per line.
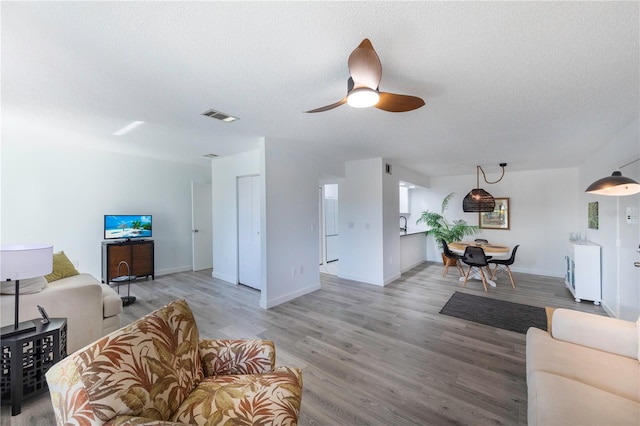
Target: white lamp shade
pixel 18 262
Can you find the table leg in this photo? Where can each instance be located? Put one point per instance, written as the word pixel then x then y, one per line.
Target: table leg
pixel 476 276
pixel 16 379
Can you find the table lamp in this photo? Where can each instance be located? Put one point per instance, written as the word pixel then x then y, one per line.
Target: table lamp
pixel 19 262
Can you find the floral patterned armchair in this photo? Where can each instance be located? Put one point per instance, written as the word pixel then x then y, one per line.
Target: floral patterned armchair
pixel 156 371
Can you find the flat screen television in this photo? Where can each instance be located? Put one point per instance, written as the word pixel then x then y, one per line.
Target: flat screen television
pixel 127 226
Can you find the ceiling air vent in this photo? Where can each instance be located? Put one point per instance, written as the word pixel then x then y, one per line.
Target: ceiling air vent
pixel 219 116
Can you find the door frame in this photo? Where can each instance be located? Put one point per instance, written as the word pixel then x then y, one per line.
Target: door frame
pixel 209 247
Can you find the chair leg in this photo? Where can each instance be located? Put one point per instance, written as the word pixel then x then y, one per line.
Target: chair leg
pixel 494 272
pixel 446 269
pixel 460 270
pixel 513 284
pixel 466 277
pixel 484 280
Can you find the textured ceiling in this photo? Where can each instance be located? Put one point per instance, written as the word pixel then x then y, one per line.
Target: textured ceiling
pixel 534 84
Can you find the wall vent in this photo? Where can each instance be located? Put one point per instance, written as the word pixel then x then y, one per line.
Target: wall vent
pixel 219 116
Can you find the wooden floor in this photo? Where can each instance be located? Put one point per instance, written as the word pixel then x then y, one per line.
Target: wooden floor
pixel 370 355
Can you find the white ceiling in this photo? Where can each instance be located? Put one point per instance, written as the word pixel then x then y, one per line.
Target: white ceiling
pixel 534 84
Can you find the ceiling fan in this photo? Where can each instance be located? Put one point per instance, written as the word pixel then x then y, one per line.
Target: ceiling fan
pixel 362 86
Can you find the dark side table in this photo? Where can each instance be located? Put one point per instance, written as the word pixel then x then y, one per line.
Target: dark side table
pixel 27 357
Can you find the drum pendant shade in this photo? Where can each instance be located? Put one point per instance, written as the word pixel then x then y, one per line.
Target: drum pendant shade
pixel 478 200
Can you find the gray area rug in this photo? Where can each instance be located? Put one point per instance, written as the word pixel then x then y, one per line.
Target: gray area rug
pixel 496 313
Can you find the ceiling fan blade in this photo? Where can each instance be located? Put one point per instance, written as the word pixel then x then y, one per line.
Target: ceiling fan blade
pixel 364 66
pixel 328 107
pixel 398 103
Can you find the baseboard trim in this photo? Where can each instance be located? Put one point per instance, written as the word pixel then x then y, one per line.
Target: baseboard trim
pixel 392 279
pixel 608 310
pixel 410 267
pixel 224 277
pixel 268 304
pixel 168 271
pixel 359 279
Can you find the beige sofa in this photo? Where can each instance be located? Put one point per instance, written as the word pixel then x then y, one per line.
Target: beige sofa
pixel 585 371
pixel 92 309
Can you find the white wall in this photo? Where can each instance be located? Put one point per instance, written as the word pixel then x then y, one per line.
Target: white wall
pixel 543 211
pixel 291 238
pixel 619 240
pixel 361 222
pixel 390 227
pixel 57 193
pixel 290 217
pixel 224 174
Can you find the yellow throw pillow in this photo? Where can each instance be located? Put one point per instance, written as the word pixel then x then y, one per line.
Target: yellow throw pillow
pixel 62 268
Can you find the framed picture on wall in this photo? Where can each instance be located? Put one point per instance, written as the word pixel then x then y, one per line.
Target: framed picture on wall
pixel 498 218
pixel 593 215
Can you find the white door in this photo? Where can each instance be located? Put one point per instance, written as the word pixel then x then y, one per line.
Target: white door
pixel 201 226
pixel 249 231
pixel 320 226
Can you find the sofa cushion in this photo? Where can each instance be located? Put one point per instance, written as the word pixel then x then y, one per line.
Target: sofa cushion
pixel 595 331
pixel 557 400
pixel 612 373
pixel 638 331
pixel 28 286
pixel 145 369
pixel 111 302
pixel 270 398
pixel 62 267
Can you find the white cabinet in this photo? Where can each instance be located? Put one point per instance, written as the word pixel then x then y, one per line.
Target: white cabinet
pixel 583 276
pixel 413 250
pixel 404 200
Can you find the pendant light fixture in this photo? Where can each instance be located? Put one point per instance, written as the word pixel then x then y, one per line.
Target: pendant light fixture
pixel 479 200
pixel 615 185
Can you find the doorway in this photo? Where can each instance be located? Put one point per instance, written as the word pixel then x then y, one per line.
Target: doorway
pixel 201 226
pixel 329 238
pixel 249 252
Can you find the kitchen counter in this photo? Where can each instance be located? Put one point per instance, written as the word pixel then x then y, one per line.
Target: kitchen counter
pixel 412 232
pixel 413 248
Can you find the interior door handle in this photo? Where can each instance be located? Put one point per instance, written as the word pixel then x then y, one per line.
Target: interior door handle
pixel 636 264
pixel 195 230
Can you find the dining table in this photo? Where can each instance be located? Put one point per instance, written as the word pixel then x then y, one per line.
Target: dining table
pixel 490 250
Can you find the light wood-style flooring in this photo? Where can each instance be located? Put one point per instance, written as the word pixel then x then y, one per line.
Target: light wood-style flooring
pixel 370 355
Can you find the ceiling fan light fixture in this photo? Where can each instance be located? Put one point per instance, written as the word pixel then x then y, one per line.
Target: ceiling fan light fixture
pixel 363 97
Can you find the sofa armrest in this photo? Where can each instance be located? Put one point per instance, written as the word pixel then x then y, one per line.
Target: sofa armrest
pixel 220 357
pixel 140 421
pixel 597 332
pixel 77 298
pixel 68 395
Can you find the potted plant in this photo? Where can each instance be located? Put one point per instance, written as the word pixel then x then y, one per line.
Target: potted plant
pixel 443 229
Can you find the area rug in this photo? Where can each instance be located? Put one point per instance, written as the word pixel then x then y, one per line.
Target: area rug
pixel 496 313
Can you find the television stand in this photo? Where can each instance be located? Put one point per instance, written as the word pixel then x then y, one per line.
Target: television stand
pixel 139 255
